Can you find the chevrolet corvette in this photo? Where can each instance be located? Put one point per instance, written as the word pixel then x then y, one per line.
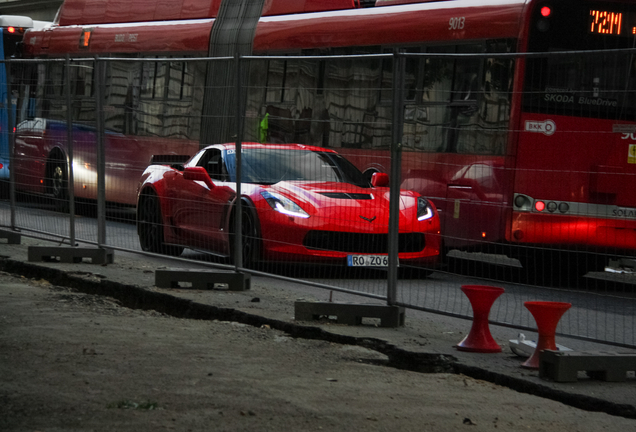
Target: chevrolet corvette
pixel 299 204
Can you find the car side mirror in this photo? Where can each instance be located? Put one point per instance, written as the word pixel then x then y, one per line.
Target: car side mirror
pixel 379 179
pixel 198 174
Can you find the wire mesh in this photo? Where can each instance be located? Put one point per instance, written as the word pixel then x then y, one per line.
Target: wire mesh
pixel 479 152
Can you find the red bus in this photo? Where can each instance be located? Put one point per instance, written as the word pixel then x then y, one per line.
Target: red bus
pixel 516 146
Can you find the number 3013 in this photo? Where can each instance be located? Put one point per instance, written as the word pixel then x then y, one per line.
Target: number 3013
pixel 456 23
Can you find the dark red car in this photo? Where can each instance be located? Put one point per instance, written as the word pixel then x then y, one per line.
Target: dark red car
pixel 300 204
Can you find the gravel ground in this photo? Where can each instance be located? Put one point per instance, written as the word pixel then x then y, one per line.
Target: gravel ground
pixel 79 362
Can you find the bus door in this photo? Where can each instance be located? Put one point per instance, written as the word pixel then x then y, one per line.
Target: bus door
pixel 474 205
pixel 469 116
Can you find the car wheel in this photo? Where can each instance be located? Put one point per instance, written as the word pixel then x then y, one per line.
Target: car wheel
pixel 251 238
pixel 58 183
pixel 151 227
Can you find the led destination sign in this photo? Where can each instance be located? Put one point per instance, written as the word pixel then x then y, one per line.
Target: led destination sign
pixel 611 23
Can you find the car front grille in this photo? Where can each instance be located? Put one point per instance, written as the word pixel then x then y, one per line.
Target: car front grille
pixel 361 243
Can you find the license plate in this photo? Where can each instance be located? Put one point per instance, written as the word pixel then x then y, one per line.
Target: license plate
pixel 368 260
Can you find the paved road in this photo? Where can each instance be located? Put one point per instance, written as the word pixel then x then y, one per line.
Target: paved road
pixel 610 318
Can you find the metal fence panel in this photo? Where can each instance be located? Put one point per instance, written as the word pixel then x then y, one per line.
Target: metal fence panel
pixel 459 149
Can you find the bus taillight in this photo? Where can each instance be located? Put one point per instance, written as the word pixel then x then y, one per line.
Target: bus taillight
pixel 545 11
pixel 539 206
pixel 11 29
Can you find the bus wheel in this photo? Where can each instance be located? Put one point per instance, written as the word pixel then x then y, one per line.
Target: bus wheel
pixel 556 268
pixel 150 223
pixel 58 183
pixel 4 190
pixel 251 238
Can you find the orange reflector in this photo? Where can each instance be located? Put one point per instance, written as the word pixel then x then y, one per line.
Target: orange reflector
pixel 539 206
pixel 85 38
pixel 483 234
pixel 41 181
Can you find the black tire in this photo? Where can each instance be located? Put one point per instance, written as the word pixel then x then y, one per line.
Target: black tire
pixel 4 190
pixel 58 182
pixel 150 227
pixel 251 237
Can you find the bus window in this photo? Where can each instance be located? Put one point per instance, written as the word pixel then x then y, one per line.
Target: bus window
pixel 193 91
pixel 464 134
pixel 27 93
pixel 150 113
pixel 275 80
pixel 122 97
pixel 176 77
pixel 430 113
pixel 131 109
pixel 412 75
pixel 351 99
pixel 82 92
pixel 386 80
pixel 482 124
pixel 51 91
pixel 181 110
pixel 292 87
pixel 460 105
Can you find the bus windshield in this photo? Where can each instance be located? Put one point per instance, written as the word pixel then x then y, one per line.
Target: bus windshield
pixel 573 82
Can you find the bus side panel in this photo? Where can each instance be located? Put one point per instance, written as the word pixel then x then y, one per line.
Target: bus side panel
pixel 587 171
pixel 469 191
pixel 31 150
pixel 129 155
pixel 167 37
pixel 388 26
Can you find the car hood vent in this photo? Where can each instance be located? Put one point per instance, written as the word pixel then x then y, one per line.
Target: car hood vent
pixel 345 195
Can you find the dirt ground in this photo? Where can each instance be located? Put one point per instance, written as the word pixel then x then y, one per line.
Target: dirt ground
pixel 78 362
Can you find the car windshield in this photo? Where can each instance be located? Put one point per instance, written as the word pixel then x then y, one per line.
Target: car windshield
pixel 270 166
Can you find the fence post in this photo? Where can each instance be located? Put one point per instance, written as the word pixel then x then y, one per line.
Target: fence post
pixel 101 157
pixel 396 167
pixel 11 133
pixel 238 214
pixel 69 153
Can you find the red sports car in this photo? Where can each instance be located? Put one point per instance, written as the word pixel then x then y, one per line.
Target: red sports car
pixel 300 204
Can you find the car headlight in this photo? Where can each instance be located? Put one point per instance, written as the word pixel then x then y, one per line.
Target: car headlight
pixel 284 205
pixel 424 209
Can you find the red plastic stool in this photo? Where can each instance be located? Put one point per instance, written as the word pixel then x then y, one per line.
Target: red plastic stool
pixel 547 316
pixel 479 338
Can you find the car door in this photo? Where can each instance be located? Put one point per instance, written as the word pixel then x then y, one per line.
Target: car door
pixel 200 207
